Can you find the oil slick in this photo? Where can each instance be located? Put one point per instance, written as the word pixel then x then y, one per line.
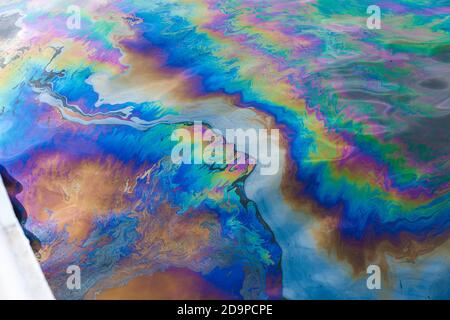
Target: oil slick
pixel 86 124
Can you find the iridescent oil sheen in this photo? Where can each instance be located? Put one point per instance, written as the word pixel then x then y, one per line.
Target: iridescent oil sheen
pixel 86 117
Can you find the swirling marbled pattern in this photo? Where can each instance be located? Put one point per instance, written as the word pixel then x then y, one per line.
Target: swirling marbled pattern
pixel 85 124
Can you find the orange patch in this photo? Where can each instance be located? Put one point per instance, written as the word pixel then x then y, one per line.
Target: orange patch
pixel 172 284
